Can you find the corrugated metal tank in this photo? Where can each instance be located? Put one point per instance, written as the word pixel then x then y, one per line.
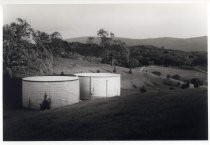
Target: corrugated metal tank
pixel 93 85
pixel 62 91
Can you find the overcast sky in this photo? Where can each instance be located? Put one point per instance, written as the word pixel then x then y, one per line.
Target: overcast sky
pixel 125 20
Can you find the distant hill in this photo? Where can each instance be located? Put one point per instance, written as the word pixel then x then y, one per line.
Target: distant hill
pixel 184 44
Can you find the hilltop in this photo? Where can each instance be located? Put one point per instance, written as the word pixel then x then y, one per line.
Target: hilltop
pixel 184 44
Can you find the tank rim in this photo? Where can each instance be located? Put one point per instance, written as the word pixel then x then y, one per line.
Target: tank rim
pixel 96 75
pixel 50 79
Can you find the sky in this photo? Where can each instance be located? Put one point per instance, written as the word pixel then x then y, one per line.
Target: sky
pixel 124 20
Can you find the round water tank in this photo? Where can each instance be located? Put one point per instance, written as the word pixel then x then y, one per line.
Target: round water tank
pixel 60 90
pixel 94 85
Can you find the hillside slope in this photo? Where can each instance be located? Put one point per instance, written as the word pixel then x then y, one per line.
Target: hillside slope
pixel 157 114
pixel 163 115
pixel 185 44
pixel 80 65
pixel 128 81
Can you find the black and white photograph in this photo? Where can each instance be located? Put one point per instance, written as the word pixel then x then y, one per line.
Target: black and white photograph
pixel 105 72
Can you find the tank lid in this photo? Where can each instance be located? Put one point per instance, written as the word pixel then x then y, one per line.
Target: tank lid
pixel 97 75
pixel 50 78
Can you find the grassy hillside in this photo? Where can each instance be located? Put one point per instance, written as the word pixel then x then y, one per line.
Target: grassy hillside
pixel 139 77
pixel 158 114
pixel 162 112
pixel 185 74
pixel 128 81
pixel 165 115
pixel 184 44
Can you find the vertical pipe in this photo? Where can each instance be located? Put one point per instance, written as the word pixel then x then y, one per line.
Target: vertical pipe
pixel 28 62
pixel 90 89
pixel 106 87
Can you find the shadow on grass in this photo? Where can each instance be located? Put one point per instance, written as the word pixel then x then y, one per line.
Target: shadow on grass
pixel 12 92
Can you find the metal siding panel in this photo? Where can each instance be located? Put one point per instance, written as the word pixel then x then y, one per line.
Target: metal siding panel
pixel 112 87
pixel 61 93
pixel 25 98
pixel 98 85
pixel 119 85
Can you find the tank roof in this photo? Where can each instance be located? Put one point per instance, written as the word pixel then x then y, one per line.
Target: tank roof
pixel 97 75
pixel 50 78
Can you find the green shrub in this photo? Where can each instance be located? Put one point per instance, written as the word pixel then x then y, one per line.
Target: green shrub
pixel 168 76
pixel 130 71
pixel 157 73
pixel 46 103
pixel 133 63
pixel 196 82
pixel 186 85
pixel 114 70
pixel 143 89
pixel 62 73
pixel 171 88
pixel 176 77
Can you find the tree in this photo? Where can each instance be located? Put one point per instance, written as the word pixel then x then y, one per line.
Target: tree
pixel 104 40
pixel 90 40
pixel 55 35
pixel 57 45
pixel 112 35
pixel 16 43
pixel 133 63
pixel 176 77
pixel 42 40
pixel 120 52
pixel 111 54
pixel 196 82
pixel 103 37
pixel 20 53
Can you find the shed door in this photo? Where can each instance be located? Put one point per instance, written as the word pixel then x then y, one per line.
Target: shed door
pixel 98 87
pixel 112 87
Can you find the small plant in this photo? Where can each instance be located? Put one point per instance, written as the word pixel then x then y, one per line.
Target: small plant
pixel 171 88
pixel 178 84
pixel 196 82
pixel 114 70
pixel 176 77
pixel 186 85
pixel 130 71
pixel 168 76
pixel 143 89
pixel 157 73
pixel 62 73
pixel 46 103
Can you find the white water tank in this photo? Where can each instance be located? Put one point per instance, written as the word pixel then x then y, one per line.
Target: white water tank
pixel 94 85
pixel 61 90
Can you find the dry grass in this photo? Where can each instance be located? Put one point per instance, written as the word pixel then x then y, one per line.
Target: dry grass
pixel 186 74
pixel 128 81
pixel 157 115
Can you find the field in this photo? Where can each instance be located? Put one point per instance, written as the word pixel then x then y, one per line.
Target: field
pixel 186 74
pixel 158 114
